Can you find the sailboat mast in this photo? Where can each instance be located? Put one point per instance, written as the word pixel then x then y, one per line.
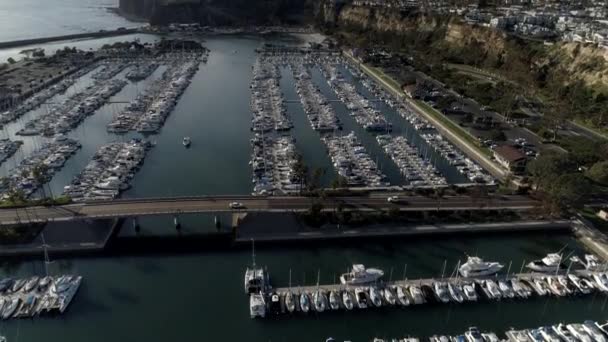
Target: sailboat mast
pixel 253 252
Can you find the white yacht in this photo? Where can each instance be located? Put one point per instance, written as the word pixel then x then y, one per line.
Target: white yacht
pixel 476 267
pixel 549 335
pixel 417 294
pixel 360 275
pixel 564 333
pixel 601 281
pixel 469 292
pixel 549 264
pixel 257 305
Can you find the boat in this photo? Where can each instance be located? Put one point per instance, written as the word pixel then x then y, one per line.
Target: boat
pixel 275 303
pixel 304 302
pixel 549 264
pixel 334 300
pixel 360 275
pixel 441 292
pixel 290 303
pixel 255 278
pixel 582 285
pixel 535 335
pixel 601 281
pixel 11 307
pixel 518 335
pixel 361 297
pixel 579 332
pixel 469 292
pixel 549 335
pixel 402 296
pixel 375 296
pixel 347 300
pixel 6 284
pixel 389 296
pixel 505 289
pixel 417 294
pixel 477 267
pixel 456 292
pixel 257 305
pixel 492 289
pixel 319 300
pixel 31 284
pixel 473 335
pixel 562 331
pixel 18 284
pixel 521 290
pixel 592 330
pixel 490 337
pixel 555 286
pixel 187 141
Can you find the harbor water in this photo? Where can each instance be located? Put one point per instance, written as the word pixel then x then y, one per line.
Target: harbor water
pixel 200 296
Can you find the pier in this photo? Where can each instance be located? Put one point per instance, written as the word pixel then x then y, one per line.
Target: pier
pixel 36 41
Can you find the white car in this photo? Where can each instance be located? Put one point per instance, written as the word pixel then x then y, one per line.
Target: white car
pixel 236 205
pixel 394 199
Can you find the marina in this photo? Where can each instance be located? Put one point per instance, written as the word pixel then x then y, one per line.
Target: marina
pixel 267 106
pixel 587 331
pixel 148 112
pixel 473 281
pixel 31 297
pixel 273 162
pixel 8 148
pixel 110 171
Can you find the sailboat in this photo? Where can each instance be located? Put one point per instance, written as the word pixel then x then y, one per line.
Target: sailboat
pixel 255 278
pixel 289 297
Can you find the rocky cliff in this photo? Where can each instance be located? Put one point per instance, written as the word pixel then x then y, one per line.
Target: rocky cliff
pixel 448 39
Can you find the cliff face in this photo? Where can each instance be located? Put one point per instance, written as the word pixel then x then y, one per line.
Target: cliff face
pixel 220 12
pixel 450 39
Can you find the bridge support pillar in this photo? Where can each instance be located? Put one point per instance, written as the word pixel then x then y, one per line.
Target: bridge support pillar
pixel 176 223
pixel 136 225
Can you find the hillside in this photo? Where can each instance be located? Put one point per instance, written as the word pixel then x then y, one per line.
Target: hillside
pixel 569 74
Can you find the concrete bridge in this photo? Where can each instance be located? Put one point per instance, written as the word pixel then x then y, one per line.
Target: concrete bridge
pixel 217 204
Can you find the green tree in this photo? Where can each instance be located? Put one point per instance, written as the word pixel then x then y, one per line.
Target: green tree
pixel 599 172
pixel 546 169
pixel 569 191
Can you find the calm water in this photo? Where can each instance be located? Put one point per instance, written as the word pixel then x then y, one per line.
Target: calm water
pixel 199 297
pixel 25 19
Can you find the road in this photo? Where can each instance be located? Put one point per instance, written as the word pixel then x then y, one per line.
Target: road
pixel 171 206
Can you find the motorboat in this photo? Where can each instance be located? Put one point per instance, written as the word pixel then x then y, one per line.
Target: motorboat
pixel 583 285
pixel 562 331
pixel 361 296
pixel 505 289
pixel 469 292
pixel 490 337
pixel 31 284
pixel 304 302
pixel 334 300
pixel 360 275
pixel 10 307
pixel 593 263
pixel 402 296
pixel 492 289
pixel 186 141
pixel 257 305
pixel 518 335
pixel 549 335
pixel 535 335
pixel 389 295
pixel 601 281
pixel 592 330
pixel 6 284
pixel 473 335
pixel 579 332
pixel 477 267
pixel 290 301
pixel 375 296
pixel 555 286
pixel 18 284
pixel 549 264
pixel 347 300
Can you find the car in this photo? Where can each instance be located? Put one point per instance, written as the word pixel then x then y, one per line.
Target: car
pixel 396 199
pixel 236 205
